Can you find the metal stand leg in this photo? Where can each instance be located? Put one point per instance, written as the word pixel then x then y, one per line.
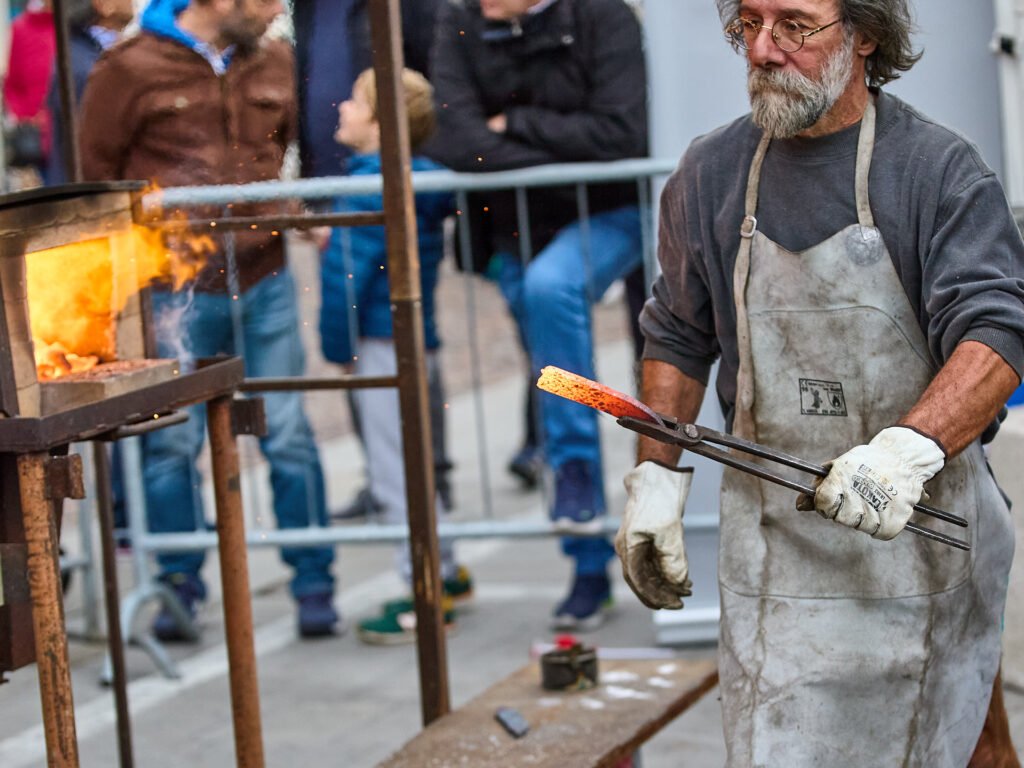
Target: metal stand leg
pixel 115 643
pixel 234 575
pixel 47 612
pixel 131 605
pixel 147 588
pixel 90 590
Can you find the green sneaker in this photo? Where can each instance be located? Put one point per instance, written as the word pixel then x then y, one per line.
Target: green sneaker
pixel 460 587
pixel 396 624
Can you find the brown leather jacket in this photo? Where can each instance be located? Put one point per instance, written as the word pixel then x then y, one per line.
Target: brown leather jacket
pixel 155 110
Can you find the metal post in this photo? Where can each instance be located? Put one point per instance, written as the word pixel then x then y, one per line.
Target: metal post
pixel 112 601
pixel 234 578
pixel 466 253
pixel 407 319
pixel 66 86
pixel 90 593
pixel 47 612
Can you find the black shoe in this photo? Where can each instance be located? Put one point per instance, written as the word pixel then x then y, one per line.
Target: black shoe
pixel 65 576
pixel 363 505
pixel 528 465
pixel 191 592
pixel 444 484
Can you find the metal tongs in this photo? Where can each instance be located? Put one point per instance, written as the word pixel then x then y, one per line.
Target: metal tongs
pixel 696 438
pixel 634 415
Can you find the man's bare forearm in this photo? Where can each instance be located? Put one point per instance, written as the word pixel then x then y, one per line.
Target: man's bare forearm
pixel 667 390
pixel 964 397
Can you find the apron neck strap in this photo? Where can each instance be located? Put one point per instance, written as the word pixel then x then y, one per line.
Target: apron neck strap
pixel 865 148
pixel 753 184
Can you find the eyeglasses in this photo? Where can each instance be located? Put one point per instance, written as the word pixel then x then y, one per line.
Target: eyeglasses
pixel 788 34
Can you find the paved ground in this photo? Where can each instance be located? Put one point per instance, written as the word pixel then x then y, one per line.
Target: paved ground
pixel 337 701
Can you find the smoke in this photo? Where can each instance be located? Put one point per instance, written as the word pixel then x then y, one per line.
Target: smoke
pixel 169 322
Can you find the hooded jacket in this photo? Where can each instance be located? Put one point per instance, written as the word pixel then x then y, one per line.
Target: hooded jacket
pixel 156 109
pixel 571 81
pixel 356 301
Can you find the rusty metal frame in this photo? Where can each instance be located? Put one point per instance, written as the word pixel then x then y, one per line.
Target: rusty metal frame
pixel 86 422
pixel 407 319
pixel 275 221
pixel 27 444
pixel 406 299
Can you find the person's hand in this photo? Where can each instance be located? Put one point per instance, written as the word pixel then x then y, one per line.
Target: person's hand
pixel 650 540
pixel 318 236
pixel 498 123
pixel 873 488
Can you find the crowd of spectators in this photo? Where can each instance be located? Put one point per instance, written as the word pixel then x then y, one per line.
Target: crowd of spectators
pixel 516 82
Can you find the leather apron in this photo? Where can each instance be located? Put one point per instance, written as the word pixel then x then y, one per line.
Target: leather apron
pixel 837 649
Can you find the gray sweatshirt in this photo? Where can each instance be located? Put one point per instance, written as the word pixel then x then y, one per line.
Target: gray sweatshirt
pixel 942 213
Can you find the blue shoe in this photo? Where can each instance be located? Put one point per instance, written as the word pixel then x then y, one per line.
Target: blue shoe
pixel 579 502
pixel 587 605
pixel 190 592
pixel 317 617
pixel 528 465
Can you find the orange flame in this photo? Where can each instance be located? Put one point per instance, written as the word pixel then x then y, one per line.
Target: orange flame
pixel 76 291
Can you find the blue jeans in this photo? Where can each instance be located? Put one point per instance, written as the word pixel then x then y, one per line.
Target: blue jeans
pixel 550 301
pixel 269 326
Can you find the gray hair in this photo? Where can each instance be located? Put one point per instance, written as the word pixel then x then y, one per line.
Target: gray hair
pixel 887 23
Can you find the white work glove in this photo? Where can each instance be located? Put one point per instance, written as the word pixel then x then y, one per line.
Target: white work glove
pixel 650 539
pixel 874 487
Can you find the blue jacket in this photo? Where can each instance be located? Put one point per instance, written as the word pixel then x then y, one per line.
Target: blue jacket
pixel 360 305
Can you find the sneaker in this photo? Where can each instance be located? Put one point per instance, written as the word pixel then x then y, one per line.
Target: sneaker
pixel 191 592
pixel 579 504
pixel 122 541
pixel 317 617
pixel 460 587
pixel 396 624
pixel 587 605
pixel 528 465
pixel 458 592
pixel 363 505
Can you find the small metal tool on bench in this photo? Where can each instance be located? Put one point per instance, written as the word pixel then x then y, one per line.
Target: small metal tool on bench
pixel 512 720
pixel 632 414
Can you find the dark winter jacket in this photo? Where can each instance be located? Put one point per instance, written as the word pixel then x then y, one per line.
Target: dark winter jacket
pixel 332 46
pixel 571 81
pixel 354 279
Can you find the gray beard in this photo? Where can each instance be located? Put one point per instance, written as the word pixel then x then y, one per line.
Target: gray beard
pixel 785 103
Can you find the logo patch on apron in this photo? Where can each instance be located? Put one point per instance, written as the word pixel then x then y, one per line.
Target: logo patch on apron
pixel 822 398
